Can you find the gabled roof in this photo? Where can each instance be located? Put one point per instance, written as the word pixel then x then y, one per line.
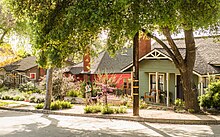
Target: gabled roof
pixel 153 54
pixel 104 63
pixel 207 55
pixel 22 65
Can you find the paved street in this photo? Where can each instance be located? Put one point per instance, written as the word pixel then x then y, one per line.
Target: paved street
pixel 25 124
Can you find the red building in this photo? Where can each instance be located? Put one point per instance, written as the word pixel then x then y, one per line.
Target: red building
pixel 90 69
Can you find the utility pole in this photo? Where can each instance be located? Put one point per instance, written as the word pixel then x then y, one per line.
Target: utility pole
pixel 136 75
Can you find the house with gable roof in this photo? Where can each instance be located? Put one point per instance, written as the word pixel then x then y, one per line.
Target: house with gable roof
pixel 22 71
pixel 158 73
pixel 104 64
pixel 112 66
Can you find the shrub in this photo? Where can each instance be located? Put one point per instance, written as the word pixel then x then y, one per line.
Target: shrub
pixel 29 87
pixel 32 99
pixel 93 109
pixel 121 109
pixel 60 105
pixel 88 109
pixel 191 110
pixel 104 109
pixel 143 105
pixel 39 106
pixel 19 98
pixel 107 110
pixel 74 93
pixel 212 97
pixel 3 89
pixel 16 98
pixel 66 104
pixel 179 103
pixel 204 101
pixel 6 97
pixel 37 98
pixel 10 94
pixel 56 105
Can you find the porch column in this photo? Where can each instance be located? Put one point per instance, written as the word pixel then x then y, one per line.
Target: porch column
pixel 168 97
pixel 157 93
pixel 175 96
pixel 201 86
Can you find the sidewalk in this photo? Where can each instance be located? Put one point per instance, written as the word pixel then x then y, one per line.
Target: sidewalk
pixel 154 116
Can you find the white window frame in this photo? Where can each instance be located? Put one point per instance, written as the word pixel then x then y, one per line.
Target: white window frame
pixel 158 83
pixel 34 76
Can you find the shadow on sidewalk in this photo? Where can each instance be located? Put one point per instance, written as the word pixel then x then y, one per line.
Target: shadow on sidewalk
pixel 154 129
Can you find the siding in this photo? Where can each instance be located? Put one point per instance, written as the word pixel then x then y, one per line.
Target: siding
pixel 161 66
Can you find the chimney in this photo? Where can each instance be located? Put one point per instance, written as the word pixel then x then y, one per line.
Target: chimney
pixel 144 45
pixel 86 61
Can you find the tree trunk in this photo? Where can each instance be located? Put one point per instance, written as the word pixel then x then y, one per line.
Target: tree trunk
pixel 189 91
pixel 49 86
pixel 189 87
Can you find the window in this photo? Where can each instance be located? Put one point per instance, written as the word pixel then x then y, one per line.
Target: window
pixel 125 83
pixel 160 82
pixel 32 75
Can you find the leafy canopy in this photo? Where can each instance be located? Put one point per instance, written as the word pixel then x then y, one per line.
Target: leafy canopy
pixel 61 27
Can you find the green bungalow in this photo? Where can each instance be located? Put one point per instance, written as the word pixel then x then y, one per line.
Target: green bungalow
pixel 158 74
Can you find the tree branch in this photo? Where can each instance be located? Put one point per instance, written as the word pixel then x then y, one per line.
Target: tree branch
pixel 166 32
pixel 166 48
pixel 3 35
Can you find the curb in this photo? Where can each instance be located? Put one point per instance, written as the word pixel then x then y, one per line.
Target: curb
pixel 127 118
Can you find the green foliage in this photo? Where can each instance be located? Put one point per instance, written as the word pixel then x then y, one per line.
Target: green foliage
pixel 10 94
pixel 93 109
pixel 3 89
pixel 5 103
pixel 36 98
pixel 104 109
pixel 56 105
pixel 19 98
pixel 39 106
pixel 29 88
pixel 60 105
pixel 121 109
pixel 179 103
pixel 7 23
pixel 127 101
pixel 191 110
pixel 212 97
pixel 6 97
pixel 74 93
pixel 107 110
pixel 143 105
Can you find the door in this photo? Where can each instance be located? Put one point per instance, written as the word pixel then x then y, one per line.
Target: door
pixel 179 88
